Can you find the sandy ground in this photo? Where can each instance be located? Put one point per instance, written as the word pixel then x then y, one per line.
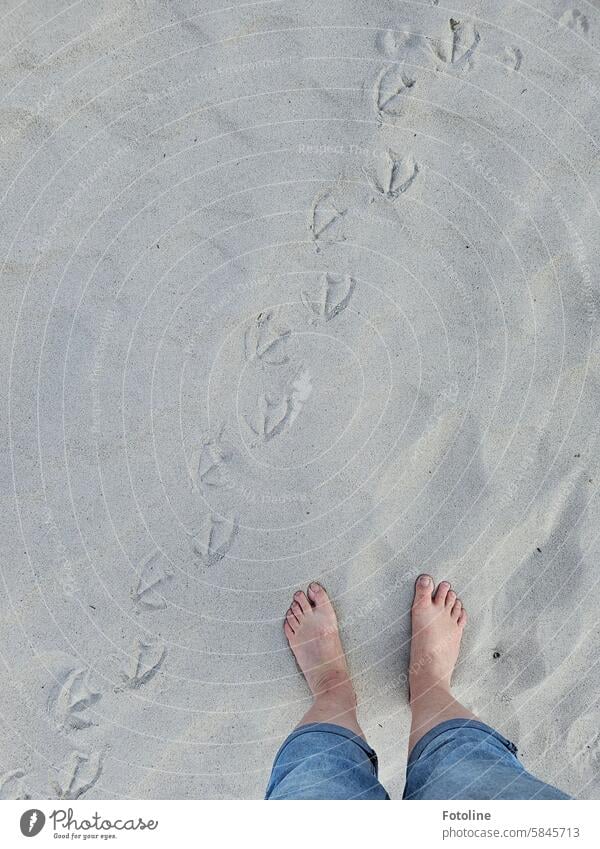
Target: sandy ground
pixel 292 292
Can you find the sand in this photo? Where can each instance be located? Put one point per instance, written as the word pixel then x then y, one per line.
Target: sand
pixel 293 294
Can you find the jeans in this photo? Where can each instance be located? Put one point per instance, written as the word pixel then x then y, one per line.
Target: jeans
pixel 457 759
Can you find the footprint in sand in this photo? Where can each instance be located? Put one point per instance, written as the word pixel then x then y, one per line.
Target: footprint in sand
pixel 512 58
pixel 391 90
pixel 13 786
pixel 72 700
pixel 78 775
pixel 270 417
pixel 395 43
pixel 211 462
pixel 143 663
pixel 393 175
pixel 326 214
pixel 154 575
pixel 335 296
pixel 575 20
pixel 213 539
pixel 265 341
pixel 456 48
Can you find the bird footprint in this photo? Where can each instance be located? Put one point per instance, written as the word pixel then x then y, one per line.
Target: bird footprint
pixel 459 49
pixel 270 418
pixel 152 578
pixel 393 175
pixel 325 213
pixel 212 460
pixel 12 785
pixel 214 538
pixel 74 697
pixel 143 663
pixel 335 297
pixel 263 340
pixel 390 90
pixel 77 775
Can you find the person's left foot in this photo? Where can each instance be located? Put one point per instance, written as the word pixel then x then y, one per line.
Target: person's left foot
pixel 311 629
pixel 438 622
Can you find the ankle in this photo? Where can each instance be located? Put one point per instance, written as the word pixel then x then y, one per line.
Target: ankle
pixel 424 689
pixel 333 683
pixel 338 710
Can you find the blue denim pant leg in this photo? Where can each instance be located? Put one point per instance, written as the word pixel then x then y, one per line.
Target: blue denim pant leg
pixel 466 759
pixel 324 761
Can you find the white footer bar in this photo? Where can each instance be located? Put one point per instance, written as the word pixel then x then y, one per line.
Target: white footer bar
pixel 276 825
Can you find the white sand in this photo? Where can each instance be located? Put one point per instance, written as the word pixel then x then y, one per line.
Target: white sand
pixel 290 294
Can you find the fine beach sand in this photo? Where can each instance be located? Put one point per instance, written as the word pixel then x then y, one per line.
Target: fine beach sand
pixel 293 291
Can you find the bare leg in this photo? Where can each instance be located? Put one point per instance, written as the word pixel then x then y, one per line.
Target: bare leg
pixel 312 632
pixel 438 621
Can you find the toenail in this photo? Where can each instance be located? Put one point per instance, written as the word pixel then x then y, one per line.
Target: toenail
pixel 425 581
pixel 315 588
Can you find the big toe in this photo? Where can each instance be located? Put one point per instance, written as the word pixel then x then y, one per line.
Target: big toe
pixel 423 590
pixel 317 594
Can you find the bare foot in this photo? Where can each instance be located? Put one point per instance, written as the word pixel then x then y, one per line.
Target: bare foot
pixel 312 631
pixel 438 622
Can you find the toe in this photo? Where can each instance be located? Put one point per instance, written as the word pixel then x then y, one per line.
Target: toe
pixel 291 620
pixel 317 594
pixel 423 590
pixel 297 610
pixel 450 599
pixel 462 619
pixel 441 592
pixel 301 599
pixel 456 608
pixel 287 630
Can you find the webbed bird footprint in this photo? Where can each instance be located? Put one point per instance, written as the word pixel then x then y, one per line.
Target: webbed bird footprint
pixel 459 48
pixel 212 461
pixel 12 785
pixel 74 697
pixel 335 297
pixel 77 775
pixel 143 663
pixel 394 43
pixel 390 90
pixel 214 538
pixel 393 174
pixel 153 577
pixel 263 340
pixel 270 418
pixel 325 214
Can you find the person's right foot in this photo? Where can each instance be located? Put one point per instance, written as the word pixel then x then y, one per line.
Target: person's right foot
pixel 438 621
pixel 312 631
